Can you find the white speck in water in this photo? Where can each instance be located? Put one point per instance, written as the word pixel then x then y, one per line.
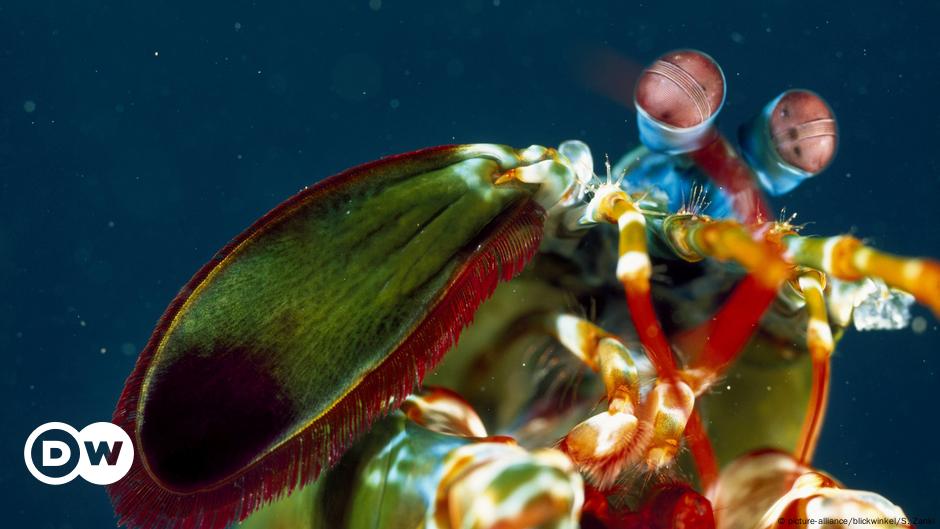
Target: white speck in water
pixel 238 26
pixel 29 106
pixel 238 156
pixel 375 5
pixel 110 223
pixel 919 325
pixel 736 37
pixel 768 388
pixel 156 54
pixel 82 323
pixel 496 3
pixel 728 387
pixel 103 350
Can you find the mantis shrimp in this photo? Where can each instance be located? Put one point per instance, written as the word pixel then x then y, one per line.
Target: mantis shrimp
pixel 298 351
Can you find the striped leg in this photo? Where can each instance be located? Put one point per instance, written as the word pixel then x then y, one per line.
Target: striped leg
pixel 696 238
pixel 672 396
pixel 444 411
pixel 846 258
pixel 501 485
pixel 629 432
pixel 820 343
pixel 605 443
pixel 633 270
pixel 601 351
pixel 726 334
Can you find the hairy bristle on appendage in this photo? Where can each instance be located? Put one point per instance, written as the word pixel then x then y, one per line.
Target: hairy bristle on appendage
pixel 499 253
pixel 603 471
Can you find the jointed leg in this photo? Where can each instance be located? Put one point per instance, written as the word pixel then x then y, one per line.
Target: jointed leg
pixel 696 238
pixel 629 432
pixel 634 270
pixel 602 445
pixel 602 352
pixel 820 343
pixel 848 259
pixel 672 398
pixel 490 483
pixel 444 411
pixel 729 331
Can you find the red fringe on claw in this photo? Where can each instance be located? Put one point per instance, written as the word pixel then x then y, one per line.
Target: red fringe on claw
pixel 501 252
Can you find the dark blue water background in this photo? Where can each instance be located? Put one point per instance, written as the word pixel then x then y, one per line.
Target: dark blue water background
pixel 137 137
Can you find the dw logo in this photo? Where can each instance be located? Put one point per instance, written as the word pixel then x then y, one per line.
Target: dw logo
pixel 101 453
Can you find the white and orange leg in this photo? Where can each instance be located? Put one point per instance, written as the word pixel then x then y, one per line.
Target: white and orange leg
pixel 846 258
pixel 723 338
pixel 630 432
pixel 604 444
pixel 820 343
pixel 444 411
pixel 695 238
pixel 492 481
pixel 770 254
pixel 491 484
pixel 612 205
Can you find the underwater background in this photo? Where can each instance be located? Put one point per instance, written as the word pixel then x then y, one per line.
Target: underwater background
pixel 136 138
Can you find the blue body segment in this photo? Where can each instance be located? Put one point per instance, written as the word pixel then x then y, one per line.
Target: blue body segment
pixel 672 178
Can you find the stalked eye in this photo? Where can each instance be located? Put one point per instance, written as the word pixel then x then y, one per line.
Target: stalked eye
pixel 677 100
pixel 803 129
pixel 791 140
pixel 681 89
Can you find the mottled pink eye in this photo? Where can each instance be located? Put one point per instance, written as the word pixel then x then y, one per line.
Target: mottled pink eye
pixel 804 130
pixel 682 88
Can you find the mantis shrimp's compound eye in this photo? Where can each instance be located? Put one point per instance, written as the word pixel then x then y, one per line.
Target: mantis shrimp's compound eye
pixel 677 99
pixel 804 130
pixel 792 139
pixel 681 89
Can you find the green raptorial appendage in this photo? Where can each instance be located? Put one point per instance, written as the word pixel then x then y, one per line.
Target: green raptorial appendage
pixel 316 320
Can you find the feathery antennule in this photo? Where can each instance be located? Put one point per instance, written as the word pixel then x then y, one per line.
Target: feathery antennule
pixel 600 184
pixel 697 203
pixel 786 223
